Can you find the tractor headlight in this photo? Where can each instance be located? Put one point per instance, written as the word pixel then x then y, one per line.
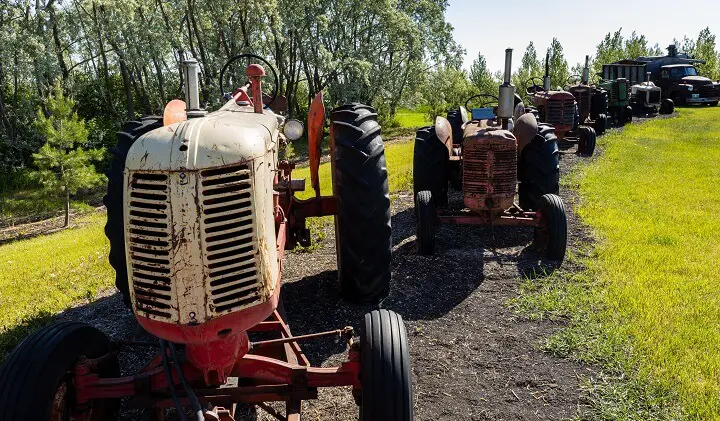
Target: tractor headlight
pixel 293 129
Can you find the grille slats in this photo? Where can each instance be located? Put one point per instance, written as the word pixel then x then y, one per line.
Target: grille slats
pixel 228 222
pixel 149 233
pixel 478 174
pixel 561 112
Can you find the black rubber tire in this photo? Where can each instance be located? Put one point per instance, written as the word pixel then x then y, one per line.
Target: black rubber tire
pixel 539 167
pixel 426 223
pixel 430 165
pixel 456 122
pixel 551 238
pixel 588 140
pixel 34 370
pixel 678 99
pixel 598 105
pixel 600 124
pixel 362 226
pixel 667 106
pixel 385 369
pixel 113 200
pixel 629 114
pixel 713 104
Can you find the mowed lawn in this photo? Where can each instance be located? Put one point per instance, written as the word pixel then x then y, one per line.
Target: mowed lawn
pixel 653 199
pixel 42 276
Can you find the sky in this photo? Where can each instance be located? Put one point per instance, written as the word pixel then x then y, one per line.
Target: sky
pixel 489 27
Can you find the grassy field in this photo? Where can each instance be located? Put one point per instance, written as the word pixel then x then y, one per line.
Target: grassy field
pixel 648 307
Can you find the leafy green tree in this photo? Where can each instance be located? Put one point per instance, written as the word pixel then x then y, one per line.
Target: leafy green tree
pixel 530 66
pixel 481 78
pixel 446 88
pixel 559 71
pixel 636 46
pixel 64 167
pixel 705 50
pixel 610 49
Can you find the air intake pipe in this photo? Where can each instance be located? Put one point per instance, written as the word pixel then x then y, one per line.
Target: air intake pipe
pixel 506 98
pixel 191 70
pixel 546 78
pixel 586 71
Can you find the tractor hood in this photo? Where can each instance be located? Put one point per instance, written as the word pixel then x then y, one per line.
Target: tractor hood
pixel 696 81
pixel 234 134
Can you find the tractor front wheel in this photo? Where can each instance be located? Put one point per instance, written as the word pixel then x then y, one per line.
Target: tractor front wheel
pixel 551 235
pixel 385 374
pixel 36 382
pixel 601 124
pixel 426 223
pixel 113 200
pixel 588 139
pixel 628 114
pixel 362 225
pixel 667 106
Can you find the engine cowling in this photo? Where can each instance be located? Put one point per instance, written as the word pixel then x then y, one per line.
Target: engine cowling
pixel 489 160
pixel 199 225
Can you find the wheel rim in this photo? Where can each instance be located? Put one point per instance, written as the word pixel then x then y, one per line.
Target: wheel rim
pixel 58 408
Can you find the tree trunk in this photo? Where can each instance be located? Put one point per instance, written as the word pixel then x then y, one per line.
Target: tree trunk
pixel 58 44
pixel 67 208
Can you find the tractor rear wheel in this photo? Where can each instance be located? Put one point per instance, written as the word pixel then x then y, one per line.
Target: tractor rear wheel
pixel 385 369
pixel 113 200
pixel 36 381
pixel 667 106
pixel 628 114
pixel 551 235
pixel 600 124
pixel 539 167
pixel 362 225
pixel 678 99
pixel 426 223
pixel 456 122
pixel 588 139
pixel 430 165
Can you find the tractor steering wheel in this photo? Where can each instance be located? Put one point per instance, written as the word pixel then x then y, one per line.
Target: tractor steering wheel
pixel 572 78
pixel 535 87
pixel 251 56
pixel 480 96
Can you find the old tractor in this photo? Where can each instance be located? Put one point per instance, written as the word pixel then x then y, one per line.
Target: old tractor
pixel 492 157
pixel 560 109
pixel 200 210
pixel 645 97
pixel 620 111
pixel 591 100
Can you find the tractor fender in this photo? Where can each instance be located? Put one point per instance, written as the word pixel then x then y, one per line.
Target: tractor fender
pixel 443 130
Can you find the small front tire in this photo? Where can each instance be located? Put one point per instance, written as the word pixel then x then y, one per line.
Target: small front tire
pixel 667 106
pixel 385 374
pixel 551 235
pixel 426 223
pixel 628 114
pixel 588 140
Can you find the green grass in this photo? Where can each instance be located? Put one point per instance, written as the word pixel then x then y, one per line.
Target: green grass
pixel 45 275
pixel 411 118
pixel 648 306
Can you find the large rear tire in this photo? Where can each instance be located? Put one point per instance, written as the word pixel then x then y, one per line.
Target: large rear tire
pixel 426 223
pixel 430 165
pixel 113 200
pixel 539 167
pixel 35 380
pixel 362 225
pixel 385 373
pixel 551 236
pixel 456 122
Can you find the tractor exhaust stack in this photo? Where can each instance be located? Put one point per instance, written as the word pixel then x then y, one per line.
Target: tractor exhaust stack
pixel 546 78
pixel 506 99
pixel 191 69
pixel 586 71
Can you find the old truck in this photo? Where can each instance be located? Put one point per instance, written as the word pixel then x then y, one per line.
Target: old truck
pixel 645 96
pixel 679 80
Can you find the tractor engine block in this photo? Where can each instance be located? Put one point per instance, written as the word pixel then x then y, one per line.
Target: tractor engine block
pixel 489 167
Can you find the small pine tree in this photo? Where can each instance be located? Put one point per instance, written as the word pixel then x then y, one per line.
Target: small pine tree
pixel 63 165
pixel 481 78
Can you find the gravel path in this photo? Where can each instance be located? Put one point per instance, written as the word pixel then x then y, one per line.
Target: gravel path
pixel 473 359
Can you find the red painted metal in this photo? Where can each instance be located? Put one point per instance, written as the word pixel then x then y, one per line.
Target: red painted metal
pixel 316 126
pixel 255 73
pixel 530 219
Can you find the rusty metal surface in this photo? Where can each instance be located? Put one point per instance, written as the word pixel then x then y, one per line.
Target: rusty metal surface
pixel 582 94
pixel 489 165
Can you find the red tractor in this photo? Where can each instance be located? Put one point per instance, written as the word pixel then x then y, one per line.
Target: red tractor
pixel 591 100
pixel 560 109
pixel 200 211
pixel 491 158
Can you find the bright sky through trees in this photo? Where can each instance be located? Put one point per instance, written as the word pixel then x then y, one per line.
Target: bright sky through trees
pixel 490 27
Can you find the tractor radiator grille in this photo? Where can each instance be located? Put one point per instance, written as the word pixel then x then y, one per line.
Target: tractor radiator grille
pixel 583 100
pixel 228 221
pixel 490 170
pixel 561 112
pixel 150 245
pixel 654 96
